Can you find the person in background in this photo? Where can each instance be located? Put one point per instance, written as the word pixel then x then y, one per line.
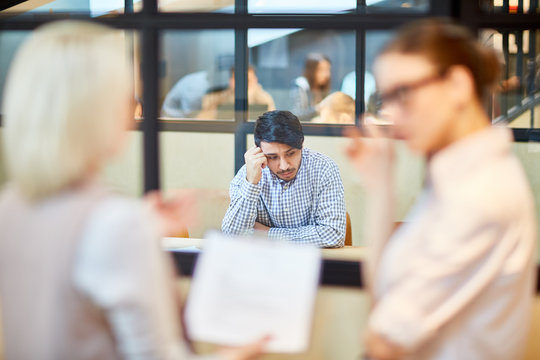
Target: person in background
pixel 348 86
pixel 82 275
pixel 286 190
pixel 308 90
pixel 456 279
pixel 256 95
pixel 184 100
pixel 336 108
pixel 505 87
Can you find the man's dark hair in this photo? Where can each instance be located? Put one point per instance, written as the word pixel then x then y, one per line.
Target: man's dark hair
pixel 279 126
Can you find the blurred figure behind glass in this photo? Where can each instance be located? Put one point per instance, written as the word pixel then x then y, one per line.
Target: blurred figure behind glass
pixel 336 108
pixel 82 275
pixel 308 90
pixel 256 95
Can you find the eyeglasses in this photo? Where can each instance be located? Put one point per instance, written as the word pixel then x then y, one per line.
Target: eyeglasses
pixel 402 93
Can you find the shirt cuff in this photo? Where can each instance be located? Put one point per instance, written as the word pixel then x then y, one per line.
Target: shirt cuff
pixel 276 233
pixel 250 192
pixel 403 327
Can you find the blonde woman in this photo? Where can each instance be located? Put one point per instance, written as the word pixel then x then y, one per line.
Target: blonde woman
pixel 82 275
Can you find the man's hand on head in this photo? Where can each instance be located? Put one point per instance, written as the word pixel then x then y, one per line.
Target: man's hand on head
pixel 255 162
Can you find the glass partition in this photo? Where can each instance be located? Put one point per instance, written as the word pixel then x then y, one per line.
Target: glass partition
pixel 397 5
pixel 334 7
pixel 301 6
pixel 303 71
pixel 375 40
pixel 196 75
pixel 93 7
pixel 515 100
pixel 509 6
pixel 124 173
pixel 223 6
pixel 10 41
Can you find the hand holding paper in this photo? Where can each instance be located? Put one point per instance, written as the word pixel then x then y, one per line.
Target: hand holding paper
pixel 246 289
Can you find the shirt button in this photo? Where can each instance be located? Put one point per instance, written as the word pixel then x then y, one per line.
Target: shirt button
pixel 286 209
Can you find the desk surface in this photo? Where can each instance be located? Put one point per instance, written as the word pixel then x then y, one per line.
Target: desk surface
pixel 352 253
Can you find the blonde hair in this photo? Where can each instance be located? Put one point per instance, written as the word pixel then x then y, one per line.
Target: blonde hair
pixel 340 108
pixel 65 95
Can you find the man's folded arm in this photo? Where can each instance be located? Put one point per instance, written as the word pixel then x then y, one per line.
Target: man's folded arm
pixel 330 217
pixel 242 212
pixel 319 235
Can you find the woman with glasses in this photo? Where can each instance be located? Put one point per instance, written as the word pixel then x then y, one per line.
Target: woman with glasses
pixel 455 280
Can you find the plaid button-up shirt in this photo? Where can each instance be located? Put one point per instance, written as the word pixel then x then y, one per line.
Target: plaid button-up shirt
pixel 309 209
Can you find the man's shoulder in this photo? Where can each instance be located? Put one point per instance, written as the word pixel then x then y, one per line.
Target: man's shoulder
pixel 318 160
pixel 240 175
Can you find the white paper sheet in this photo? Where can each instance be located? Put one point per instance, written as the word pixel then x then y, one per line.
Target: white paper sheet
pixel 244 289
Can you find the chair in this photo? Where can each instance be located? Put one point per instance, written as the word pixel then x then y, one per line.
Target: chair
pixel 348 231
pixel 183 233
pixel 532 349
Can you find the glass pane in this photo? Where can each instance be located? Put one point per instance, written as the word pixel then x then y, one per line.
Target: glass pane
pixel 94 7
pixel 124 173
pixel 3 175
pixel 301 6
pixel 302 71
pixel 515 101
pixel 134 47
pixel 10 41
pixel 375 40
pixel 196 75
pixel 397 5
pixel 224 6
pixel 512 6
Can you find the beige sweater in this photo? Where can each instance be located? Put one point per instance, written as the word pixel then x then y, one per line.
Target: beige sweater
pixel 43 315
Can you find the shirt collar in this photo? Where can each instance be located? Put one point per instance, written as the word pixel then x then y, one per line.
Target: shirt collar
pixel 463 156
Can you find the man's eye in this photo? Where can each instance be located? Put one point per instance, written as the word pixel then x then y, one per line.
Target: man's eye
pixel 291 153
pixel 272 158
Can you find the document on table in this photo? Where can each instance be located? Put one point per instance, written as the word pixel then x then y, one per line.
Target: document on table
pixel 246 288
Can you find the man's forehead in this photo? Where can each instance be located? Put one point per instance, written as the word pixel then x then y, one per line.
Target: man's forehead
pixel 272 148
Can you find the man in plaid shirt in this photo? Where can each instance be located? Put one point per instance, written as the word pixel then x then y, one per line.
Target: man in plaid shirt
pixel 289 191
